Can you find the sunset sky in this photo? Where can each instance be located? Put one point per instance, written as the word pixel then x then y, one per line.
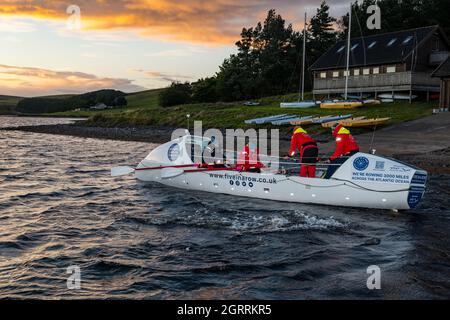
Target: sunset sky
pixel 130 45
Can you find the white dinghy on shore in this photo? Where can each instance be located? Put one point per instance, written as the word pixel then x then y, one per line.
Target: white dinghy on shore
pixel 364 180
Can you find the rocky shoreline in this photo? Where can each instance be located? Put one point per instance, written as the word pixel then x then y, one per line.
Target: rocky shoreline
pixel 436 162
pixel 150 134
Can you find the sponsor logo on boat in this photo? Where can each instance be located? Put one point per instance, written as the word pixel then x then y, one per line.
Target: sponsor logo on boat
pixel 379 165
pixel 380 177
pixel 240 180
pixel 419 178
pixel 399 168
pixel 174 152
pixel 361 163
pixel 414 198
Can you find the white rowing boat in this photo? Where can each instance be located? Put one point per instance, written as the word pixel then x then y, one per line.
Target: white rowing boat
pixel 267 119
pixel 364 180
pixel 398 96
pixel 288 121
pixel 298 105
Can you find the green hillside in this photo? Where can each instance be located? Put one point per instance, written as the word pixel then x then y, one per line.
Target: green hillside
pixel 135 101
pixel 8 104
pixel 51 104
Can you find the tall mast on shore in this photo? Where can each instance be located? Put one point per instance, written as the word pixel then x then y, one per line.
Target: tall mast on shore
pixel 347 74
pixel 304 59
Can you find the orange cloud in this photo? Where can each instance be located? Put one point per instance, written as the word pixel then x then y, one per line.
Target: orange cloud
pixel 26 81
pixel 199 21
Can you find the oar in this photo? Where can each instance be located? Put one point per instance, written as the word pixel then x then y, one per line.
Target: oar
pixel 124 170
pixel 121 171
pixel 168 173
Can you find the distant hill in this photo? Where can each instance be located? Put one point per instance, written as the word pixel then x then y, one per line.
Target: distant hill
pixel 8 104
pixel 62 103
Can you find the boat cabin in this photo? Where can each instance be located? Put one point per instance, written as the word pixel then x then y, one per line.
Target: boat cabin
pixel 397 62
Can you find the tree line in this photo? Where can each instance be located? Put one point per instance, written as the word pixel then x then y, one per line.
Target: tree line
pixel 268 59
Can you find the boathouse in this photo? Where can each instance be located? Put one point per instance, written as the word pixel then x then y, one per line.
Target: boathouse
pixel 397 62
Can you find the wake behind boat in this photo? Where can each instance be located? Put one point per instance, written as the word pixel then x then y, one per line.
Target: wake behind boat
pixel 364 180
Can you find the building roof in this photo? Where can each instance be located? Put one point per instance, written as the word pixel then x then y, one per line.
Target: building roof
pixel 443 71
pixel 378 49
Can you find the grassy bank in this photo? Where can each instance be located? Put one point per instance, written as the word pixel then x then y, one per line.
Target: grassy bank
pixel 8 104
pixel 143 109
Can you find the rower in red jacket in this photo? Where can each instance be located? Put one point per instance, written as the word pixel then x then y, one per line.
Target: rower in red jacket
pixel 309 152
pixel 346 147
pixel 248 160
pixel 345 143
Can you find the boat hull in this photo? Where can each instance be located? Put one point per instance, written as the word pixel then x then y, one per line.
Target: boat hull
pixel 298 105
pixel 367 123
pixel 341 105
pixel 283 188
pixel 397 96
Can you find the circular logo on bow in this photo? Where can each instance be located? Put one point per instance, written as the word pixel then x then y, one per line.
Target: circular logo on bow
pixel 174 152
pixel 361 163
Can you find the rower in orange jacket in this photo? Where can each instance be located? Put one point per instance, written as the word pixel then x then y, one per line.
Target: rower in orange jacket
pixel 309 152
pixel 346 146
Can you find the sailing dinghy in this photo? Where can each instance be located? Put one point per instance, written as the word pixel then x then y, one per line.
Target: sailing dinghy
pixel 341 105
pixel 364 180
pixel 298 105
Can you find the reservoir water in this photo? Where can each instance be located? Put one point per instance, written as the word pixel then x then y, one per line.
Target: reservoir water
pixel 60 208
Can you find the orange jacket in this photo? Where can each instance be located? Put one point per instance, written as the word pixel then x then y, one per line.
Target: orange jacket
pixel 345 143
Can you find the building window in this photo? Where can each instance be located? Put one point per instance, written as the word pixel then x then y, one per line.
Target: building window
pixel 392 42
pixel 355 46
pixel 366 72
pixel 335 74
pixel 407 40
pixel 346 73
pixel 391 69
pixel 435 44
pixel 323 75
pixel 356 72
pixel 372 45
pixel 376 70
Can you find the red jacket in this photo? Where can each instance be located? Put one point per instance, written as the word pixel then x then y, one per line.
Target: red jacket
pixel 249 159
pixel 301 141
pixel 345 143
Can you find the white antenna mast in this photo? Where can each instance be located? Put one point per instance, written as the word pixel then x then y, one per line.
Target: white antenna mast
pixel 347 74
pixel 304 59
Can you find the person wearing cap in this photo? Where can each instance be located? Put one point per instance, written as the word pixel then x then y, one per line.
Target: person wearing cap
pixel 309 152
pixel 346 146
